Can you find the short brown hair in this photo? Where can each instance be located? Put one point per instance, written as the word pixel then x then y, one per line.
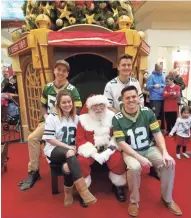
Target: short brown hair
pixel 128 88
pixel 57 104
pixel 124 56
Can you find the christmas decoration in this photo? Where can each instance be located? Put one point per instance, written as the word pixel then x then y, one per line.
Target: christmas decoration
pixel 90 18
pixel 103 13
pixel 72 20
pixel 62 5
pixel 64 12
pixel 115 12
pixel 102 5
pixel 57 2
pixel 91 6
pixel 47 8
pixel 59 22
pixel 110 21
pixel 16 35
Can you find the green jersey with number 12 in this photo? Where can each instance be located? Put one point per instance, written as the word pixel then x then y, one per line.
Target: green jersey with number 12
pixel 135 131
pixel 63 130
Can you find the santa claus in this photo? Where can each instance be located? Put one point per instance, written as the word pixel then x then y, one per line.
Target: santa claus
pixel 95 143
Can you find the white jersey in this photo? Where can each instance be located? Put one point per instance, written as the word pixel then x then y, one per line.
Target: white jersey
pixel 113 91
pixel 182 127
pixel 63 130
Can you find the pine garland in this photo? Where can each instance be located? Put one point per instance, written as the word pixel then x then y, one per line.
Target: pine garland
pixel 106 13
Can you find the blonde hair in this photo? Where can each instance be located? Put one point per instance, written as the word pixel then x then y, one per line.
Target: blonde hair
pixel 57 104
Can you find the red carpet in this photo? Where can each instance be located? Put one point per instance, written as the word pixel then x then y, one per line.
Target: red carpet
pixel 39 202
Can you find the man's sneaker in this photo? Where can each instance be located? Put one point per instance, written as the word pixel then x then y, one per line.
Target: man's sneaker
pixel 185 155
pixel 33 177
pixel 173 207
pixel 178 156
pixel 133 209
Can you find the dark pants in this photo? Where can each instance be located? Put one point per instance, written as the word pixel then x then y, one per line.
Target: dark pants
pixel 157 106
pixel 58 156
pixel 170 118
pixel 178 149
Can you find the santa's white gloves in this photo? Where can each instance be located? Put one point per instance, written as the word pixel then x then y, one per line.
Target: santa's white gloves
pixel 98 158
pixel 103 156
pixel 87 150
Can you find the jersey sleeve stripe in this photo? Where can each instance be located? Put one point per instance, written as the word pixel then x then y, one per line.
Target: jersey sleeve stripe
pixel 43 100
pixel 154 125
pixel 48 133
pixel 141 95
pixel 118 134
pixel 109 99
pixel 47 130
pixel 78 104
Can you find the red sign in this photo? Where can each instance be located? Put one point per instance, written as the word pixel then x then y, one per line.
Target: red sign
pixel 183 68
pixel 18 46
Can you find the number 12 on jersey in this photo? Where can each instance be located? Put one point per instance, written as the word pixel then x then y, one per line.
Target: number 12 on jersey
pixel 69 135
pixel 139 139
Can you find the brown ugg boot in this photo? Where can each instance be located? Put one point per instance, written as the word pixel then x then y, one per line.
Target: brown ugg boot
pixel 85 194
pixel 68 196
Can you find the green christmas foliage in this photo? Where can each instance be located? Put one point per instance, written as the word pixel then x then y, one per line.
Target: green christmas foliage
pixel 106 13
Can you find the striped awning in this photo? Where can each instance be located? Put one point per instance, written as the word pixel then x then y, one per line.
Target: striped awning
pixel 85 38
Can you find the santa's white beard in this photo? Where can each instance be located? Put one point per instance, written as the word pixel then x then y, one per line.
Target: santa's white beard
pixel 97 116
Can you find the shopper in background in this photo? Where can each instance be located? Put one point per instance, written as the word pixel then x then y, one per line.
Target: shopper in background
pixel 5 80
pixel 171 94
pixel 178 81
pixel 155 85
pixel 11 86
pixel 144 89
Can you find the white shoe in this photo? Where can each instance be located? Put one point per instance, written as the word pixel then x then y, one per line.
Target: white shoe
pixel 185 155
pixel 178 156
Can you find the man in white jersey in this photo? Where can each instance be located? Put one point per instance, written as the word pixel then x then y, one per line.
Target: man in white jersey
pixel 114 87
pixel 48 98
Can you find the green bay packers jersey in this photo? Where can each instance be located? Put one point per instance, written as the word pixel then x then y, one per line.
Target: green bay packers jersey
pixel 113 91
pixel 135 130
pixel 48 97
pixel 63 130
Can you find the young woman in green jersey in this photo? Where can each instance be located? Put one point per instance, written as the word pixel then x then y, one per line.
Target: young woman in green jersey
pixel 59 134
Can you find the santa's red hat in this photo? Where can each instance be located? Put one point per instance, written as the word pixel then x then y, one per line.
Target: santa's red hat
pixel 92 100
pixel 96 99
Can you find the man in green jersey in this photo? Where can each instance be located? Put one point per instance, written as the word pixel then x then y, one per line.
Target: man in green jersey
pixel 48 98
pixel 131 128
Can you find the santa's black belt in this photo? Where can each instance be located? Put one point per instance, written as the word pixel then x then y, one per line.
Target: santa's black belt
pixel 143 149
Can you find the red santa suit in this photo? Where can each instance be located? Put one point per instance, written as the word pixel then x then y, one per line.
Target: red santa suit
pixel 93 134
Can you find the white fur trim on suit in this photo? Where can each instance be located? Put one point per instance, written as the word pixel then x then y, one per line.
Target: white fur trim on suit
pixel 88 181
pixel 97 99
pixel 101 128
pixel 87 149
pixel 118 180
